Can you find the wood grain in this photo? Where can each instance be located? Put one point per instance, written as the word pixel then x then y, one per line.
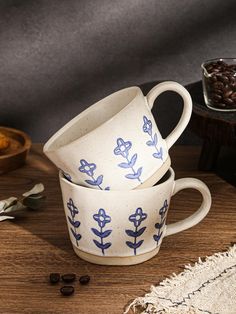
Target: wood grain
pixel 37 243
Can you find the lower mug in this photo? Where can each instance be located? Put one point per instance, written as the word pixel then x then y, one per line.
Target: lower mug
pixel 126 227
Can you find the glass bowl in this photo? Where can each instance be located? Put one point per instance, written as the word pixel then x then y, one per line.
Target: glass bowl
pixel 219 84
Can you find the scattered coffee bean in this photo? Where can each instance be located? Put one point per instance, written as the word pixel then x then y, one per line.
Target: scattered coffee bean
pixel 67 290
pixel 68 277
pixel 84 280
pixel 54 277
pixel 220 85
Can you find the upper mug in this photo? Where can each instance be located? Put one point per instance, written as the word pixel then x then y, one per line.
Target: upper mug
pixel 115 144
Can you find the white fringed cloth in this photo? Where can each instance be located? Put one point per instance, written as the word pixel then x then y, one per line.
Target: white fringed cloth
pixel 205 288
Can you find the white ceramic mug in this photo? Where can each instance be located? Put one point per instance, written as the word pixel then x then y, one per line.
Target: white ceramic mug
pixel 115 144
pixel 125 227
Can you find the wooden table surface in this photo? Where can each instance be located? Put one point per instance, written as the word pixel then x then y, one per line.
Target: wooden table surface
pixel 37 243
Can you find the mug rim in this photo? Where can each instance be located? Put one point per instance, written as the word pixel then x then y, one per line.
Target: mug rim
pixel 80 187
pixel 47 146
pixel 204 63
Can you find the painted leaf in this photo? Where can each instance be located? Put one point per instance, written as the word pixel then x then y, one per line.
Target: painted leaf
pixel 140 232
pixel 132 176
pixel 159 226
pixel 157 237
pixel 96 232
pixel 149 143
pixel 133 160
pixel 106 233
pixel 124 165
pixel 76 224
pixel 38 188
pixel 106 245
pixel 76 235
pixel 138 244
pixel 139 171
pixel 99 180
pixel 130 244
pixel 91 182
pixel 158 155
pixel 131 233
pixel 155 140
pixel 98 244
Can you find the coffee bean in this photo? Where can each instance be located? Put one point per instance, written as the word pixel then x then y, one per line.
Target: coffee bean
pixel 67 290
pixel 218 91
pixel 233 86
pixel 213 78
pixel 227 93
pixel 68 277
pixel 220 85
pixel 233 96
pixel 84 280
pixel 54 277
pixel 229 101
pixel 221 105
pixel 216 97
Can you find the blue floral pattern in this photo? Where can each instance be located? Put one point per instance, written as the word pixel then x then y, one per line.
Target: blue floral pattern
pixel 147 128
pixel 123 149
pixel 74 223
pixel 67 176
pixel 89 168
pixel 137 218
pixel 102 219
pixel 159 226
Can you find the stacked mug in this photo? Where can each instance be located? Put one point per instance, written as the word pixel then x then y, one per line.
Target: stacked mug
pixel 116 179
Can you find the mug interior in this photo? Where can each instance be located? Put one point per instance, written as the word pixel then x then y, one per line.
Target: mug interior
pixel 167 176
pixel 92 118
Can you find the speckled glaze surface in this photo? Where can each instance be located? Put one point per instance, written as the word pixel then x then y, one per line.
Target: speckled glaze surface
pixel 115 144
pixel 125 227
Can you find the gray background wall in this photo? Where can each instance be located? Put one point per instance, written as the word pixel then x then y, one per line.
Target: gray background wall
pixel 58 57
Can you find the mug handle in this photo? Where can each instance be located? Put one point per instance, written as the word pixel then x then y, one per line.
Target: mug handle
pixel 187 110
pixel 195 218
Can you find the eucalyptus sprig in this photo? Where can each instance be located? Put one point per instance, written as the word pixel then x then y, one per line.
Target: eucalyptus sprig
pixel 32 199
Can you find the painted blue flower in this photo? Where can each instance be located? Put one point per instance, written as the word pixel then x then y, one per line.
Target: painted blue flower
pixel 159 225
pixel 122 148
pixel 147 126
pixel 137 217
pixel 102 218
pixel 89 168
pixel 74 222
pixel 163 208
pixel 72 208
pixel 86 167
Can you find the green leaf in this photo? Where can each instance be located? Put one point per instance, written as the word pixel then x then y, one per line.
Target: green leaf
pixel 34 202
pixel 2 218
pixel 7 203
pixel 37 189
pixel 14 208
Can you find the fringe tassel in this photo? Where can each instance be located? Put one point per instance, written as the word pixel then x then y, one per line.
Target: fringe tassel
pixel 152 303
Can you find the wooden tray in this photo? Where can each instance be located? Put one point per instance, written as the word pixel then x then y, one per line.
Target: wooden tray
pixel 15 154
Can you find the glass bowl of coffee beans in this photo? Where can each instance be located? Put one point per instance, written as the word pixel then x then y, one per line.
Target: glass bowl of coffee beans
pixel 219 84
